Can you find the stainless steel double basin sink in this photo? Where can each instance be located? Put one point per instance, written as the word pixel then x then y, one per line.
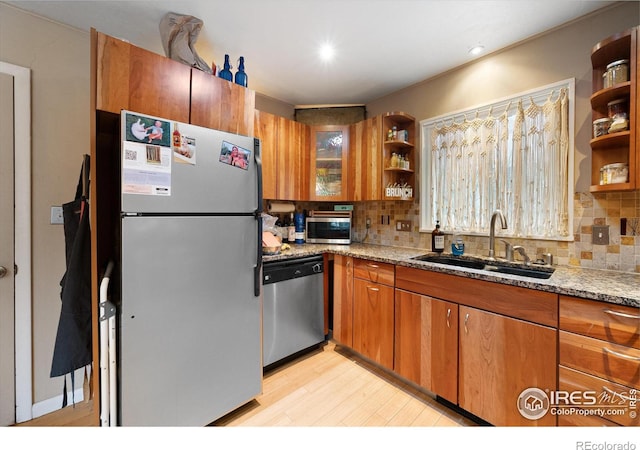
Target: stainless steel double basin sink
pixel 532 271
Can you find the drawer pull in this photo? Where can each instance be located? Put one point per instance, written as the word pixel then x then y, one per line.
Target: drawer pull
pixel 448 316
pixel 621 355
pixel 614 393
pixel 374 266
pixel 621 314
pixel 373 289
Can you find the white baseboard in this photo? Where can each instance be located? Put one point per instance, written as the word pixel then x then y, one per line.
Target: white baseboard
pixel 53 404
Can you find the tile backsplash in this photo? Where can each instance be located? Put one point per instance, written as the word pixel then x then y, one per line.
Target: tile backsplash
pixel 622 253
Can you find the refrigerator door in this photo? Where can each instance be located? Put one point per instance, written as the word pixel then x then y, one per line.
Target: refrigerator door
pixel 190 326
pixel 207 182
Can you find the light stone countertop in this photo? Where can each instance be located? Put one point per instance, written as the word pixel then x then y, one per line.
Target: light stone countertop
pixel 609 286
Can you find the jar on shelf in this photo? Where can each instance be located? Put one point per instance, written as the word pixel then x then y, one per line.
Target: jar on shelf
pixel 601 126
pixel 394 160
pixel 616 173
pixel 618 72
pixel 618 113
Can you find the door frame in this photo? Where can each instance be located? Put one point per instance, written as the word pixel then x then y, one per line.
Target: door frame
pixel 22 237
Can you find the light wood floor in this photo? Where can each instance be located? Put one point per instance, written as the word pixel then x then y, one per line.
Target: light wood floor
pixel 332 386
pixel 329 386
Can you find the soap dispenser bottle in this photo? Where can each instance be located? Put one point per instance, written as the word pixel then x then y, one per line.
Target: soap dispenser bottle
pixel 437 239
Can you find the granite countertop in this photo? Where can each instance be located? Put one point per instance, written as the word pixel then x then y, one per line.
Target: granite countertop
pixel 609 286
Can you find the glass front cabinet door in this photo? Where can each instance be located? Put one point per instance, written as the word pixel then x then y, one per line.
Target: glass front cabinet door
pixel 329 168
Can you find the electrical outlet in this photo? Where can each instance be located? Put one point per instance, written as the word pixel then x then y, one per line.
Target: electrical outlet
pixel 56 215
pixel 403 225
pixel 600 235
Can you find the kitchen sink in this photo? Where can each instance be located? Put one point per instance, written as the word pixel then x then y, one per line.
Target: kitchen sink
pixel 542 272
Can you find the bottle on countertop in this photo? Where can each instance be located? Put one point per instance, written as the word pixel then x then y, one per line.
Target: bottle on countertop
pixel 299 226
pixel 437 239
pixel 241 76
pixel 292 230
pixel 225 73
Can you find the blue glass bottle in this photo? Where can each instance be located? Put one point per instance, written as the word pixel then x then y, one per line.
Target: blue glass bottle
pixel 241 76
pixel 226 71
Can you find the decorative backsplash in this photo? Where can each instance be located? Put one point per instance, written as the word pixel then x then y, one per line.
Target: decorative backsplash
pixel 621 254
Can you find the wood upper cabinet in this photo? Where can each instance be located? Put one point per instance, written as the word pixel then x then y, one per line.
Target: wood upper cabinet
pixel 373 311
pixel 426 343
pixel 285 159
pixel 500 357
pixel 219 104
pixel 343 300
pixel 266 130
pixel 329 170
pixel 131 78
pixel 365 160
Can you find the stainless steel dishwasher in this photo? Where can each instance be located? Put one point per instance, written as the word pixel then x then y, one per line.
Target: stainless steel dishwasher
pixel 293 314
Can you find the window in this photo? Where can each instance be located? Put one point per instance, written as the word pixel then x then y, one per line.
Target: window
pixel 515 155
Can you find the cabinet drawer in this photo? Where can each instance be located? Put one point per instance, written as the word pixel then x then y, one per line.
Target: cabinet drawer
pixel 373 271
pixel 584 421
pixel 614 323
pixel 603 359
pixel 608 395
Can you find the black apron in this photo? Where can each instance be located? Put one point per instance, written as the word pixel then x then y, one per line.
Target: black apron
pixel 73 340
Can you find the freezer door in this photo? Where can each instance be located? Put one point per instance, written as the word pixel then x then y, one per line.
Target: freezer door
pixel 190 324
pixel 206 183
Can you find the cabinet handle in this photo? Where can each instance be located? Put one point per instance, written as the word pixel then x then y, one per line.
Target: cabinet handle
pixel 466 319
pixel 621 314
pixel 373 289
pixel 614 393
pixel 448 316
pixel 374 266
pixel 621 355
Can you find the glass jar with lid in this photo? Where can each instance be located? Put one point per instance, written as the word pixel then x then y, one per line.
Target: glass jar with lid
pixel 618 113
pixel 618 72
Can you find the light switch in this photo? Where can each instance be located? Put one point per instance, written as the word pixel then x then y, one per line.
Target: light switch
pixel 600 234
pixel 56 215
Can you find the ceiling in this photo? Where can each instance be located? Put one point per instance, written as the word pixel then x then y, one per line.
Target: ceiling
pixel 380 45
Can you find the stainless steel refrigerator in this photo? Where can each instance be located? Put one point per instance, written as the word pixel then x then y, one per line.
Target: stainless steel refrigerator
pixel 190 317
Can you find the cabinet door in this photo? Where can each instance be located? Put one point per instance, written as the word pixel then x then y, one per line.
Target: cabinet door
pixel 373 321
pixel 265 128
pixel 365 160
pixel 329 169
pixel 500 357
pixel 343 300
pixel 129 77
pixel 219 104
pixel 293 160
pixel 426 343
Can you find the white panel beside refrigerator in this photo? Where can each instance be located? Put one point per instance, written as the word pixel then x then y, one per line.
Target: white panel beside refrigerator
pixel 190 317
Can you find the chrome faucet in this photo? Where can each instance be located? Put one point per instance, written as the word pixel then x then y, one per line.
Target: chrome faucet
pixel 492 231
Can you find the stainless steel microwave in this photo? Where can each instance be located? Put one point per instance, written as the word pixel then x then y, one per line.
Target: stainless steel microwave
pixel 328 230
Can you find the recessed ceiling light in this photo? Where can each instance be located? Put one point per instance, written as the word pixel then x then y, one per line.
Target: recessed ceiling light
pixel 326 52
pixel 476 49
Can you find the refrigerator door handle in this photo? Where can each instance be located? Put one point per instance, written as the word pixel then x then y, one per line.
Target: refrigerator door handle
pixel 257 271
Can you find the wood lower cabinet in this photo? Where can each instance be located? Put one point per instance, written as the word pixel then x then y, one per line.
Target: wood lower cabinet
pixel 343 300
pixel 373 311
pixel 499 358
pixel 426 343
pixel 599 353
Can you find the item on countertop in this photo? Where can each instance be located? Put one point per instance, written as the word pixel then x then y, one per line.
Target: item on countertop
pixel 601 126
pixel 437 239
pixel 615 173
pixel 457 246
pixel 292 230
pixel 618 72
pixel 225 73
pixel 241 77
pixel 299 228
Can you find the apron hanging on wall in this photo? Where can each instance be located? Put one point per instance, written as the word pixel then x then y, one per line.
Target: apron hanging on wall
pixel 73 340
